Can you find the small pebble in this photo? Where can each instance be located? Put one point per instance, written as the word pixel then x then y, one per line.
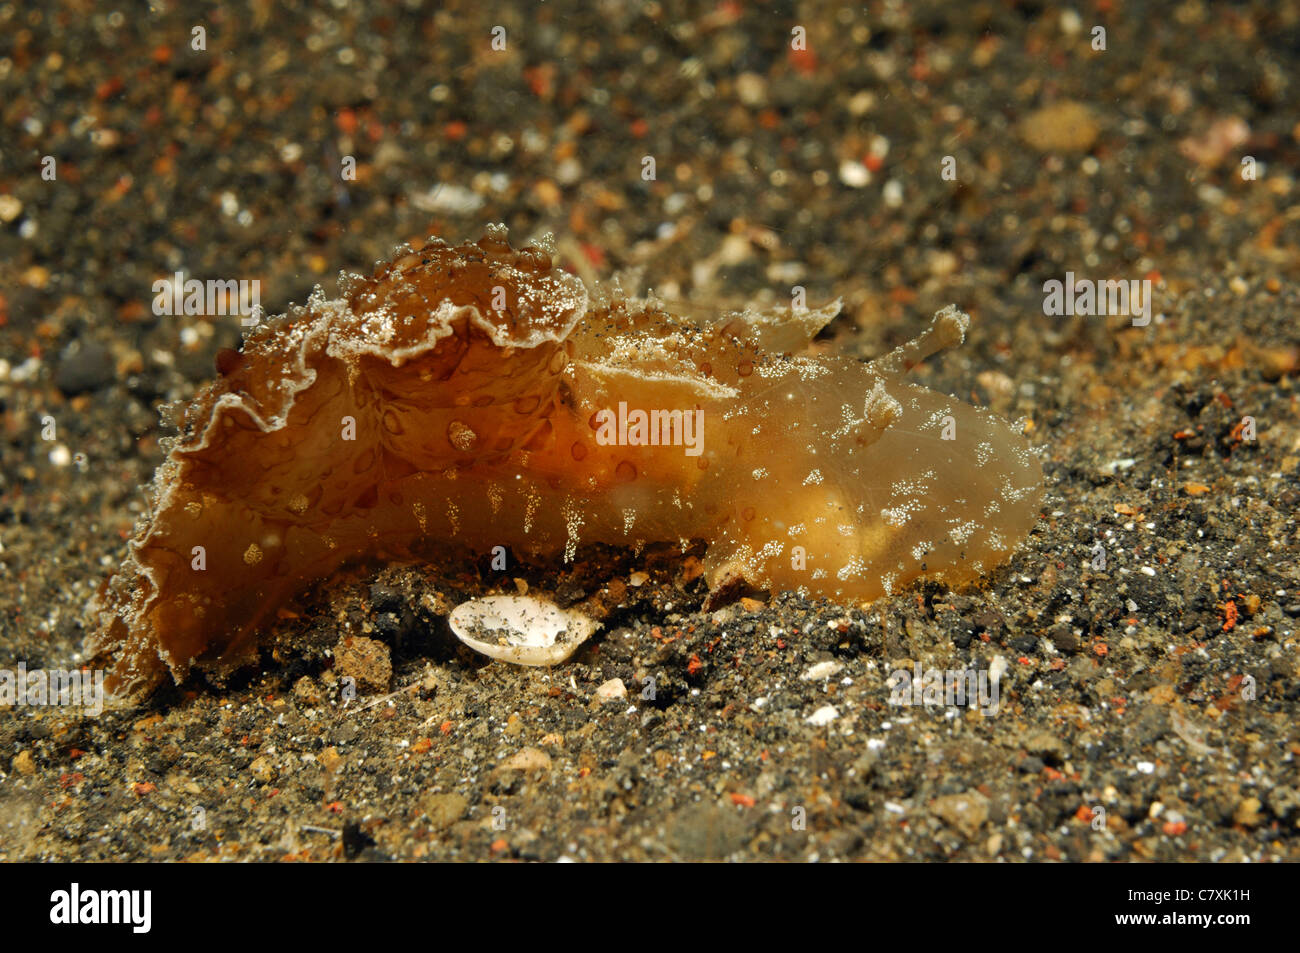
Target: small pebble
pixel 823 716
pixel 84 367
pixel 611 691
pixel 10 208
pixel 262 770
pixel 527 759
pixel 443 810
pixel 366 660
pixel 854 174
pixel 1066 126
pixel 821 670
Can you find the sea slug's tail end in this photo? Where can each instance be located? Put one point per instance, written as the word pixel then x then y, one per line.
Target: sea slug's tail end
pixel 132 668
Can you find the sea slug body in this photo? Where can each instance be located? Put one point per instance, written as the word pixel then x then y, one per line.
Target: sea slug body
pixel 477 397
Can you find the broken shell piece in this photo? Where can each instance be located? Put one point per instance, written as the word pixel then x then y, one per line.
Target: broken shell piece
pixel 524 630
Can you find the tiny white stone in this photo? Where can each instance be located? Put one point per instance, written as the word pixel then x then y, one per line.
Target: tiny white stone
pixel 854 174
pixel 823 716
pixel 997 668
pixel 821 670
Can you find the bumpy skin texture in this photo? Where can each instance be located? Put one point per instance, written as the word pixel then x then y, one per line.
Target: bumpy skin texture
pixel 453 398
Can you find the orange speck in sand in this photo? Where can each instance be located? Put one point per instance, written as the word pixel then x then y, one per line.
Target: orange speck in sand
pixel 1229 615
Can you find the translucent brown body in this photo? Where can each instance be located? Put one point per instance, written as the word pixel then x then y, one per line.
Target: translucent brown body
pixel 452 399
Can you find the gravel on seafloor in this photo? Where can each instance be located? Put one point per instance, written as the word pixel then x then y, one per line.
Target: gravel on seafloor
pixel 1147 628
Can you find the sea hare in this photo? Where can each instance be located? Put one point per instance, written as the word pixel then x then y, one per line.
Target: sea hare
pixel 474 396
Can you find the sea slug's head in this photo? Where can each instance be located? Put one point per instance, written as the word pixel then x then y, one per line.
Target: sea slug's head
pixel 474 339
pixel 519 299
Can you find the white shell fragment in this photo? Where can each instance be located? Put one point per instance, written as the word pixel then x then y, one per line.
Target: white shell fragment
pixel 524 630
pixel 823 716
pixel 821 670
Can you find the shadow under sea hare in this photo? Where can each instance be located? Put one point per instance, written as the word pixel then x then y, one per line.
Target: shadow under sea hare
pixel 474 396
